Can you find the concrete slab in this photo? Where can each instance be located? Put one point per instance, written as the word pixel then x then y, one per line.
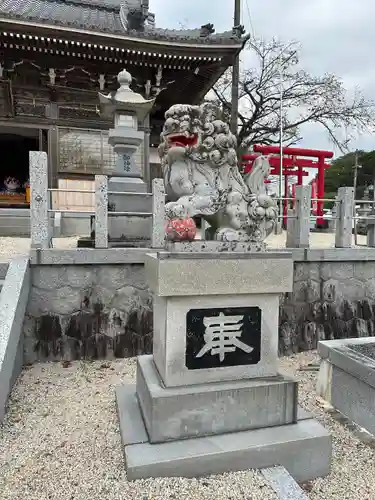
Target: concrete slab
pixel 353 398
pixel 304 449
pixel 324 380
pixel 248 273
pixel 127 185
pixel 342 354
pixel 283 484
pixel 132 427
pixel 303 414
pixel 326 346
pixel 133 430
pixel 172 413
pixel 127 227
pixel 347 378
pixel 54 256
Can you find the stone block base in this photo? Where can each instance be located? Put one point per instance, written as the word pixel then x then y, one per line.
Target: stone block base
pixel 136 201
pixel 304 448
pixel 127 228
pixel 348 367
pixel 127 185
pixel 172 413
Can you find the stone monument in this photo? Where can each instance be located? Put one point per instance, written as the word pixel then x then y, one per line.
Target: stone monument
pixel 129 109
pixel 199 163
pixel 211 398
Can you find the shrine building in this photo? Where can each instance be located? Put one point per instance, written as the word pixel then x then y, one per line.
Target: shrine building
pixel 56 55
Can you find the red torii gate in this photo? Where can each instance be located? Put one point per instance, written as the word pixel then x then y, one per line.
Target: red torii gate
pixel 294 166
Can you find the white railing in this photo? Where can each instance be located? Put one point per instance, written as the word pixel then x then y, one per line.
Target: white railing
pixel 40 206
pixel 299 218
pixel 102 213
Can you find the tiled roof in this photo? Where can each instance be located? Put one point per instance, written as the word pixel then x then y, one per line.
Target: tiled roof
pixel 96 15
pixel 100 16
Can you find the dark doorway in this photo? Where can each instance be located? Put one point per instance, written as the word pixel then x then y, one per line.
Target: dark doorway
pixel 14 165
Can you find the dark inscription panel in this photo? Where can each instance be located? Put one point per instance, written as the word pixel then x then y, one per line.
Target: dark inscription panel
pixel 223 337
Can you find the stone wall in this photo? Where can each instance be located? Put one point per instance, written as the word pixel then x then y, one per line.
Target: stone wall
pixel 330 300
pixel 82 308
pixel 88 311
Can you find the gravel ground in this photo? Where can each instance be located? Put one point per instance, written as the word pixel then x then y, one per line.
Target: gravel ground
pixel 61 442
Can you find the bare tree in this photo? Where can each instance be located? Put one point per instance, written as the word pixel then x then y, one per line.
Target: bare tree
pixel 306 99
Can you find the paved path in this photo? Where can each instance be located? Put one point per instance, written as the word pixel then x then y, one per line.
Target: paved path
pixel 15 247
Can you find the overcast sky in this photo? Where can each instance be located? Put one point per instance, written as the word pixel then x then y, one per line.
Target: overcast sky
pixel 336 35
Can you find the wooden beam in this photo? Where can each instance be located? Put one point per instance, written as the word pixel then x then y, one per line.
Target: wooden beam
pixel 8 97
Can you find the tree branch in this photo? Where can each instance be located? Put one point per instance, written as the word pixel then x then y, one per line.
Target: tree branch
pixel 306 99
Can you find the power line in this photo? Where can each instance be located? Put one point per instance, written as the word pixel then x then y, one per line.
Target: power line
pixel 250 21
pixel 235 73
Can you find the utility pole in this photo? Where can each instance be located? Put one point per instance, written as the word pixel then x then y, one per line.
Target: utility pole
pixel 356 167
pixel 235 73
pixel 281 143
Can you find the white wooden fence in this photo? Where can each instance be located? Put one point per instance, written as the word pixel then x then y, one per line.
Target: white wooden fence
pixel 71 195
pixel 41 207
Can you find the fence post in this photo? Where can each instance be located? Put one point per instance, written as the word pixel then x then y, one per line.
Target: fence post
pixel 300 227
pixel 290 228
pixel 158 213
pixel 344 224
pixel 101 211
pixel 39 217
pixel 371 233
pixel 333 221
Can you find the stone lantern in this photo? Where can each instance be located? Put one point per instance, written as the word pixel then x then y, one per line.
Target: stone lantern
pixel 128 109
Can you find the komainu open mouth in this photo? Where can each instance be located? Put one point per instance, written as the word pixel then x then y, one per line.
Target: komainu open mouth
pixel 182 140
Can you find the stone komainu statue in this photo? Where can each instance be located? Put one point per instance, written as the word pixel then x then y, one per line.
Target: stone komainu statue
pixel 201 176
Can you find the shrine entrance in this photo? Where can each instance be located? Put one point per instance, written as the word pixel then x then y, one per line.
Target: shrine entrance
pixel 15 145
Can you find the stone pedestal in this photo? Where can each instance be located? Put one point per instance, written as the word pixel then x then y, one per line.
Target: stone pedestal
pixel 172 413
pixel 211 399
pixel 137 202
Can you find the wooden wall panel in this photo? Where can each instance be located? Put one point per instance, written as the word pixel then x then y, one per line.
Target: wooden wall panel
pixel 79 202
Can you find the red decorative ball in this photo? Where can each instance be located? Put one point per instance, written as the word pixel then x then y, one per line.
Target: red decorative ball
pixel 181 229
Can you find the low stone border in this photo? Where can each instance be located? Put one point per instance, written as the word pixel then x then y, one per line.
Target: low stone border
pixel 13 302
pixel 283 484
pixel 348 368
pixel 86 256
pixel 54 256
